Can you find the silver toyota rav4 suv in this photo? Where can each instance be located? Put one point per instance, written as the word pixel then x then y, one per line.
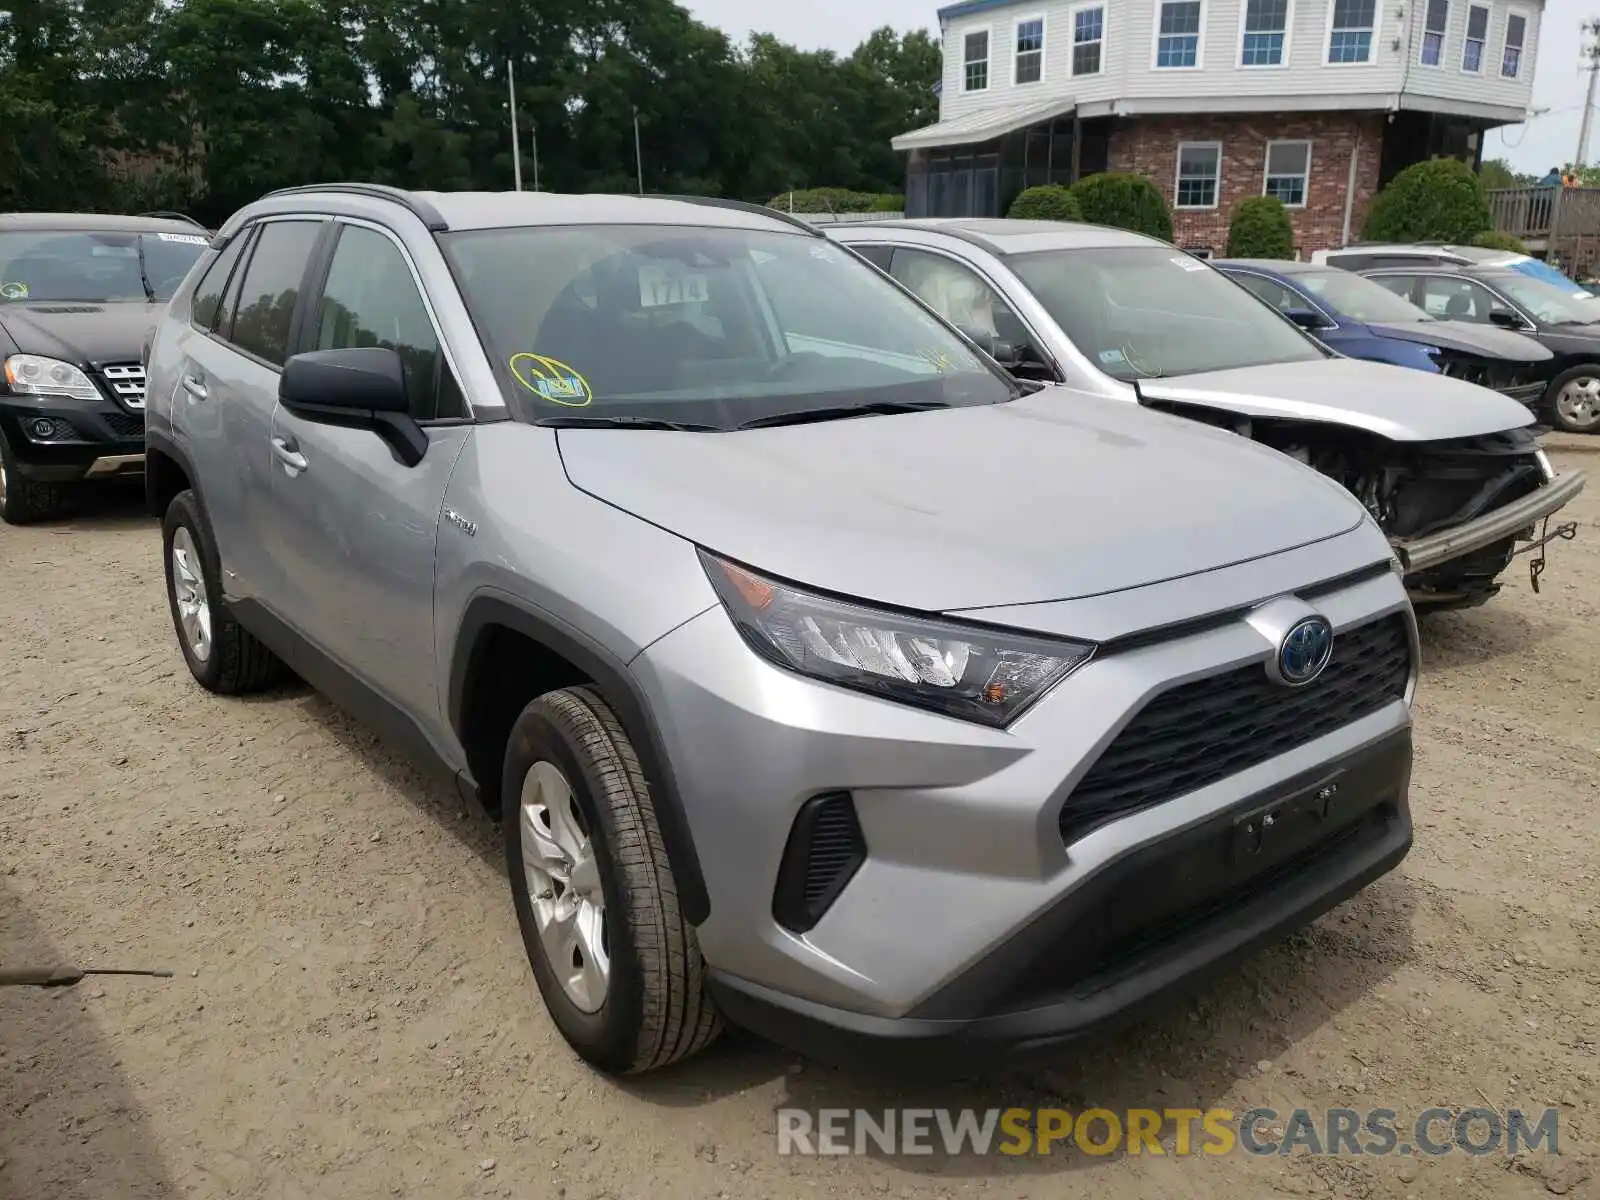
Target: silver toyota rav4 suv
pixel 824 678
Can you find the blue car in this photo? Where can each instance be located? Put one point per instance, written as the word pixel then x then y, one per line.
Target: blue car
pixel 1362 319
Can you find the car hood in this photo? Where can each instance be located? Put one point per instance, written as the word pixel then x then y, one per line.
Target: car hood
pixel 80 332
pixel 1465 336
pixel 1055 496
pixel 1393 402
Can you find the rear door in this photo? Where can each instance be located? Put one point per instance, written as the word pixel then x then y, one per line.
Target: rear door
pixel 228 387
pixel 352 525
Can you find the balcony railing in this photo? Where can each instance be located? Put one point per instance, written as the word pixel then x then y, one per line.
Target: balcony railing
pixel 1546 213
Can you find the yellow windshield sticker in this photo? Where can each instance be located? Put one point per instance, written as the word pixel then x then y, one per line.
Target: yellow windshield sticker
pixel 14 291
pixel 551 379
pixel 938 359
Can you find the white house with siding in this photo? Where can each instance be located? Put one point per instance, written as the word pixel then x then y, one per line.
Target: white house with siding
pixel 1317 101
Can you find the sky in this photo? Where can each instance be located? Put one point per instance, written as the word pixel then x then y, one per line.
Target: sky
pixel 1546 140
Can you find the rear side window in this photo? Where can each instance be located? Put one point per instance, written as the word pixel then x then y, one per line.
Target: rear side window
pixel 207 306
pixel 878 256
pixel 271 288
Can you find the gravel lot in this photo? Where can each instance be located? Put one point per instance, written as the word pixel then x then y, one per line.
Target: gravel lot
pixel 352 1015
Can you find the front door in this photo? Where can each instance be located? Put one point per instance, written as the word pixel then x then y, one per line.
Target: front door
pixel 353 526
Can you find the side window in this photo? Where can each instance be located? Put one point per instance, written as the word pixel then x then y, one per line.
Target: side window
pixel 1404 286
pixel 1352 262
pixel 958 295
pixel 1281 298
pixel 271 287
pixel 1458 300
pixel 207 304
pixel 371 299
pixel 878 256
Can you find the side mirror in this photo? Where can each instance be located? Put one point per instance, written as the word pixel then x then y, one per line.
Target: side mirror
pixel 1506 319
pixel 1307 319
pixel 985 341
pixel 360 388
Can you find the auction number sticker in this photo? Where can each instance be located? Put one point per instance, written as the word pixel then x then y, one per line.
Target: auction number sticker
pixel 551 379
pixel 188 239
pixel 660 286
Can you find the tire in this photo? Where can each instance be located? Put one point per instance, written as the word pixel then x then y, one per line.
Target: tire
pixel 24 501
pixel 653 1008
pixel 230 661
pixel 1581 415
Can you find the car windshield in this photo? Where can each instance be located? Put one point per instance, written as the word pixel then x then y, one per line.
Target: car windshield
pixel 93 265
pixel 711 326
pixel 1552 305
pixel 1358 298
pixel 1146 311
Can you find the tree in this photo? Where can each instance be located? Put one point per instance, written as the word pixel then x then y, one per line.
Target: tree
pixel 1047 202
pixel 1496 173
pixel 1437 200
pixel 1260 228
pixel 1124 201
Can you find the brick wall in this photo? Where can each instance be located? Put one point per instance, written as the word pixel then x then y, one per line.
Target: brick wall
pixel 1149 146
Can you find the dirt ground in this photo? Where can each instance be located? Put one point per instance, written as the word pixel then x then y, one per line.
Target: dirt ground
pixel 352 1015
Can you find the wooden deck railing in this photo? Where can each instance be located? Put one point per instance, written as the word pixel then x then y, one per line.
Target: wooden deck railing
pixel 1534 213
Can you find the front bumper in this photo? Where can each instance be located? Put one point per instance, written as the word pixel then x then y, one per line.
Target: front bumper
pixel 1424 553
pixel 967 851
pixel 90 440
pixel 1162 919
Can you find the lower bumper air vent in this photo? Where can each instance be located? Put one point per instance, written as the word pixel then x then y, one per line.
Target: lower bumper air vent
pixel 825 849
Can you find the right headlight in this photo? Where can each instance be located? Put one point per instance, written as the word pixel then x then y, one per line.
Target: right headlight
pixel 35 375
pixel 976 674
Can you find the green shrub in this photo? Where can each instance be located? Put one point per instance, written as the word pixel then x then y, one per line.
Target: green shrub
pixel 1493 239
pixel 1125 202
pixel 1260 228
pixel 1047 202
pixel 888 202
pixel 1440 200
pixel 824 200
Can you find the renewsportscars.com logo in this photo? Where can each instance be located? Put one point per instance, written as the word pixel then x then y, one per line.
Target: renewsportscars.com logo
pixel 1166 1131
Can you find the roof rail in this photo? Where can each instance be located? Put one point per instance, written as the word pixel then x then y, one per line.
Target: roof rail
pixel 418 207
pixel 168 215
pixel 743 206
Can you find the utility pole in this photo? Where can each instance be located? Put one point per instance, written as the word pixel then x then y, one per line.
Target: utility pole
pixel 533 132
pixel 1591 55
pixel 516 142
pixel 638 157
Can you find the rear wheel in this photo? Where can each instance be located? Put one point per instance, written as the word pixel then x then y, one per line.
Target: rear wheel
pixel 23 501
pixel 1575 400
pixel 616 963
pixel 223 655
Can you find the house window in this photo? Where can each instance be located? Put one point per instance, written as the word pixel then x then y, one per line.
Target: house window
pixel 1350 39
pixel 977 61
pixel 1030 51
pixel 1266 22
pixel 1288 172
pixel 1477 35
pixel 1516 32
pixel 1199 172
pixel 1433 28
pixel 1088 34
pixel 1178 35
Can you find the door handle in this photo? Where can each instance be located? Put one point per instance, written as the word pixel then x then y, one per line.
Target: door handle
pixel 287 453
pixel 194 386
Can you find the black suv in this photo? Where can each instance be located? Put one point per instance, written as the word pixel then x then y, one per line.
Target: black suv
pixel 79 297
pixel 1564 319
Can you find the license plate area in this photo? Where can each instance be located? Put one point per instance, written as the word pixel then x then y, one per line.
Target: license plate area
pixel 1286 825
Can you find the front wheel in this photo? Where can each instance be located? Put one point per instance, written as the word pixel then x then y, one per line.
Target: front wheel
pixel 1575 400
pixel 616 963
pixel 24 501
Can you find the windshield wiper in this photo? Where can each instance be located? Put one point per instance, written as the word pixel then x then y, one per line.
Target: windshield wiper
pixel 149 292
pixel 804 416
pixel 625 422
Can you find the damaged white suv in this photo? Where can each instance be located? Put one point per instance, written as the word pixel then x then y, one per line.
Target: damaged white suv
pixel 1450 470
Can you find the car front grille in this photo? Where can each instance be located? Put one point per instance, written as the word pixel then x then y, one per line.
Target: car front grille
pixel 1200 732
pixel 126 383
pixel 125 425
